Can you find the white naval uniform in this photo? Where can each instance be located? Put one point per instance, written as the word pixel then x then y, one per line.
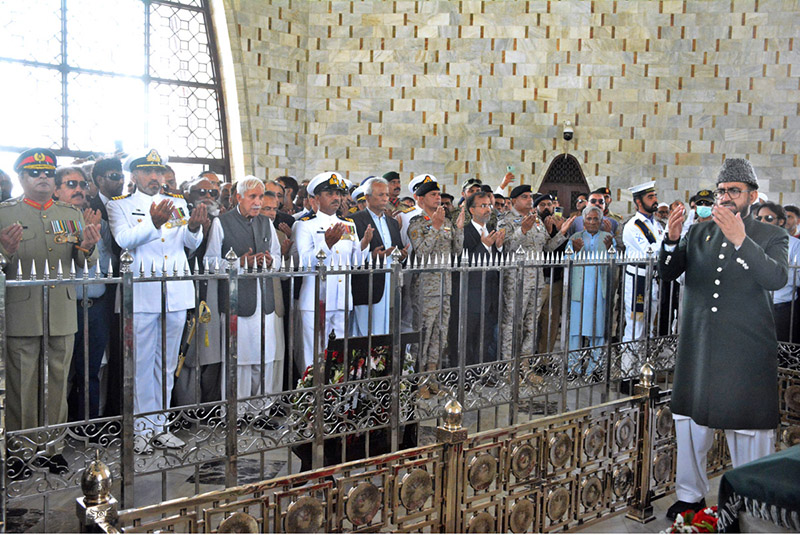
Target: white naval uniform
pixel 636 245
pixel 310 238
pixel 248 348
pixel 133 229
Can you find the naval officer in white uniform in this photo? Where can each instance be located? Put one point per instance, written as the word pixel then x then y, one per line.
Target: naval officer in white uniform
pixel 337 238
pixel 155 227
pixel 641 232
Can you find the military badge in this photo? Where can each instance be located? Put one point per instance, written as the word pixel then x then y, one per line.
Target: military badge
pixel 66 230
pixel 177 219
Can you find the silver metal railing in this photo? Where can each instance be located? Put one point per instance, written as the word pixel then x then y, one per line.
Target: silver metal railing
pixel 345 409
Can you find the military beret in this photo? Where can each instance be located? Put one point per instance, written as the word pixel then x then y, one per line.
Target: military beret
pixel 738 170
pixel 327 181
pixel 499 196
pixel 602 191
pixel 519 190
pixel 35 159
pixel 391 175
pixel 543 197
pixel 151 160
pixel 447 196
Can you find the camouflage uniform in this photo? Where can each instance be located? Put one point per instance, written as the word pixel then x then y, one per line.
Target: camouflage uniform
pixel 534 241
pixel 431 294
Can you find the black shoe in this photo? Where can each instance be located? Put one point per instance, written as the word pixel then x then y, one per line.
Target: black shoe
pixel 680 507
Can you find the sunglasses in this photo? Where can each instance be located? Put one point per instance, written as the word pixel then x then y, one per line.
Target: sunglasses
pixel 767 218
pixel 114 176
pixel 704 203
pixel 597 201
pixel 49 173
pixel 214 193
pixel 72 184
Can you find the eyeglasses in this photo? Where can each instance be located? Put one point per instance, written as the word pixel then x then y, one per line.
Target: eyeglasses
pixel 214 193
pixel 72 184
pixel 733 193
pixel 483 206
pixel 767 218
pixel 49 173
pixel 114 176
pixel 597 201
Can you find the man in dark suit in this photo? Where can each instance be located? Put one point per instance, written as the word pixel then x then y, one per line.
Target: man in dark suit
pixel 726 369
pixel 481 244
pixel 109 179
pixel 384 241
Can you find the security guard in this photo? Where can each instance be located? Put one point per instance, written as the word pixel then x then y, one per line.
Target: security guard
pixel 50 234
pixel 431 233
pixel 155 227
pixel 338 239
pixel 641 233
pixel 524 229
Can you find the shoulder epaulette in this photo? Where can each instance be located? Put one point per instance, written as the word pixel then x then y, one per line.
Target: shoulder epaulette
pixel 120 197
pixel 176 195
pixel 407 209
pixel 308 217
pixel 346 219
pixel 65 205
pixel 10 202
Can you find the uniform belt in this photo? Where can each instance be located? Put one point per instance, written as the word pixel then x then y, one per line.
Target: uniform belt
pixel 631 270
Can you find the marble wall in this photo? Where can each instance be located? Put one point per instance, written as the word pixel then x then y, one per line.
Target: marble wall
pixel 660 90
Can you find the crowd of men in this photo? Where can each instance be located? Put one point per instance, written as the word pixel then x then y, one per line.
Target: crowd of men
pixel 78 213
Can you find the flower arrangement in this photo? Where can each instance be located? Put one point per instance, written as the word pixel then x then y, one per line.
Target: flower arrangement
pixel 704 521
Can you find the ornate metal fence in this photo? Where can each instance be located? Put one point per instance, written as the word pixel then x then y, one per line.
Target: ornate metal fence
pixel 564 397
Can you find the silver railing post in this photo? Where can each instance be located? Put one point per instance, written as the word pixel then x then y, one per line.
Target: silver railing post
pixel 398 353
pixel 463 289
pixel 320 345
pixel 97 509
pixel 569 262
pixel 611 292
pixel 516 334
pixel 3 264
pixel 128 360
pixel 231 369
pixel 641 508
pixel 648 303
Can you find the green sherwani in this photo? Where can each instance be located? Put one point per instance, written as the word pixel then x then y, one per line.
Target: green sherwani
pixel 726 370
pixel 50 233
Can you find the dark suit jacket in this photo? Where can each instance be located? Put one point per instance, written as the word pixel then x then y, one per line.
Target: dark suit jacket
pixel 360 283
pixel 474 251
pixel 97 204
pixel 726 368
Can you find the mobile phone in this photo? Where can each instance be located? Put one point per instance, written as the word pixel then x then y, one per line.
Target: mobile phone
pixel 558 211
pixel 509 169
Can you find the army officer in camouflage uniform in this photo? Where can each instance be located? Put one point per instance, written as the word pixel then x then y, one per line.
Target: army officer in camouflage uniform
pixel 726 369
pixel 431 233
pixel 524 229
pixel 36 229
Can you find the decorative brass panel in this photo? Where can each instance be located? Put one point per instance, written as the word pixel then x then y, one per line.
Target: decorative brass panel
pixel 306 515
pixel 591 491
pixel 557 503
pixel 594 439
pixel 363 502
pixel 662 467
pixel 791 436
pixel 560 449
pixel 792 398
pixel 415 489
pixel 482 471
pixel 663 422
pixel 622 481
pixel 523 460
pixel 522 515
pixel 481 523
pixel 624 432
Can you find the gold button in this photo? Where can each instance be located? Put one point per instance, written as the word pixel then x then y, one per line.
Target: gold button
pixel 162 239
pixel 52 286
pixel 52 267
pixel 49 248
pixel 44 216
pixel 165 257
pixel 47 232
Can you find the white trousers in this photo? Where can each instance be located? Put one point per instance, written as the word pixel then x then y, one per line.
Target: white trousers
pixel 147 390
pixel 334 321
pixel 694 441
pixel 634 323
